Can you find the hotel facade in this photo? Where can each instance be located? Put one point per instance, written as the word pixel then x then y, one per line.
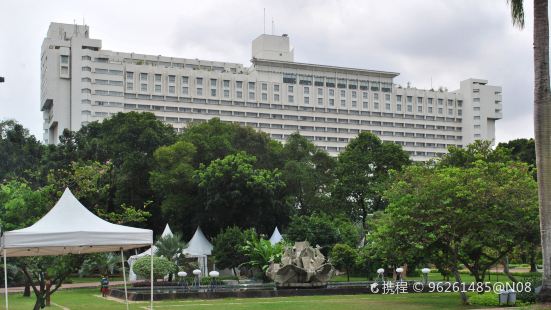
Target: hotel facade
pixel 329 105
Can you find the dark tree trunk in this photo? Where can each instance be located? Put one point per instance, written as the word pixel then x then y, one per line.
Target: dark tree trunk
pixel 542 133
pixel 506 269
pixel 533 264
pixel 27 290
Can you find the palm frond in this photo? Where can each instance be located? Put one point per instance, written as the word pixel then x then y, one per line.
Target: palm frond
pixel 517 12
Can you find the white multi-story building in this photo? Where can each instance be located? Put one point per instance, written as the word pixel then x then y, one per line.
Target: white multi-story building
pixel 329 105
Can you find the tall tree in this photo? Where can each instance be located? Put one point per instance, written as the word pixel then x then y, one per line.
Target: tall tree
pixel 308 173
pixel 234 192
pixel 542 126
pixel 362 171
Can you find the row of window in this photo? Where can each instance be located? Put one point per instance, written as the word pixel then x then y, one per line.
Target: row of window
pixel 277 116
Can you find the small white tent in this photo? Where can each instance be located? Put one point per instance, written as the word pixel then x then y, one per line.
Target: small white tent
pixel 199 247
pixel 276 237
pixel 70 228
pixel 132 259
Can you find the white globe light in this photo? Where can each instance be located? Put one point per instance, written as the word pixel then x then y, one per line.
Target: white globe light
pixel 182 274
pixel 425 270
pixel 214 274
pixel 196 272
pixel 399 269
pixel 380 271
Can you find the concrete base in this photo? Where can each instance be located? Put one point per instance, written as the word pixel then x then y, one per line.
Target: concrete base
pixel 301 285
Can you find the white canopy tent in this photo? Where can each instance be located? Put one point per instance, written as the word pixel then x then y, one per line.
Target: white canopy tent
pixel 132 259
pixel 70 228
pixel 199 247
pixel 276 237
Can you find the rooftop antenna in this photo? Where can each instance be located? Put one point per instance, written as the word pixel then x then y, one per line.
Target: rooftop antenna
pixel 273 26
pixel 431 82
pixel 264 23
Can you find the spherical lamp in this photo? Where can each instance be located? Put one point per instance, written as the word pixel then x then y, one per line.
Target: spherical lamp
pixel 197 272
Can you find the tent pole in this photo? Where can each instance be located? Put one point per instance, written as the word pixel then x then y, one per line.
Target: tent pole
pixel 124 278
pixel 5 279
pixel 151 275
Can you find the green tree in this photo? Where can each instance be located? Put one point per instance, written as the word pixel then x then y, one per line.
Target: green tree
pixel 323 230
pixel 216 140
pixel 161 267
pixel 228 245
pixel 236 193
pixel 20 152
pixel 128 140
pixel 523 150
pixel 308 175
pixel 172 180
pixel 344 257
pixel 362 172
pixel 542 125
pixel 100 264
pixel 21 206
pixel 434 209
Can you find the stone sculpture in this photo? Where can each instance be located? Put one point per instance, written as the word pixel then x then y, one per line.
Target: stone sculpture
pixel 301 266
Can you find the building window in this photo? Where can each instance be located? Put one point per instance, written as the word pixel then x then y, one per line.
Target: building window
pixel 251 86
pixel 157 88
pixel 410 108
pixel 291 99
pixel 399 107
pixel 343 93
pixel 387 106
pixel 129 75
pixel 264 97
pixel 212 83
pixel 290 88
pixel 354 95
pixel 430 109
pixel 320 101
pixel 199 81
pixel 375 96
pixel 440 101
pixel 306 100
pixel 365 105
pixel 331 102
pixel 239 94
pixel 185 91
pixel 64 59
pixel 213 92
pixel 86 91
pixel 86 69
pixel 239 84
pixel 420 109
pixel 429 100
pixel 143 76
pixel 185 80
pixel 398 98
pixel 409 99
pixel 306 90
pixel 276 97
pixel 86 58
pixel 171 89
pixel 158 78
pixel 387 97
pixel 331 92
pixel 450 102
pixel 129 86
pixel 143 87
pixel 419 100
pixel 199 91
pixel 354 104
pixel 376 105
pixel 320 91
pixel 264 87
pixel 226 93
pixel 450 111
pixel 251 95
pixel 276 88
pixel 440 111
pixel 226 83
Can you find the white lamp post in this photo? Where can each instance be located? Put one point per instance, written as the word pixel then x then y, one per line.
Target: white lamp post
pixel 197 280
pixel 399 271
pixel 381 274
pixel 425 272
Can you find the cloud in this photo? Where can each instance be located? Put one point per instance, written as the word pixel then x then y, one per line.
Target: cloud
pixel 443 41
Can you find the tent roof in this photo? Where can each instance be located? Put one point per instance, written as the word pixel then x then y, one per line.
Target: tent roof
pixel 166 232
pixel 276 236
pixel 71 228
pixel 198 245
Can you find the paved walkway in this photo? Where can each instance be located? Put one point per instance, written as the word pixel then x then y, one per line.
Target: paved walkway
pixel 18 289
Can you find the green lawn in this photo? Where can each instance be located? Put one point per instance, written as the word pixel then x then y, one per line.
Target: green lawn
pixel 90 299
pixel 92 280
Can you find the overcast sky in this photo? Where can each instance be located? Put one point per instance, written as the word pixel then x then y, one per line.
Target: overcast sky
pixel 445 40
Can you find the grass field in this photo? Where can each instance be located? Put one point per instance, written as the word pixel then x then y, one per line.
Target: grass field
pixel 91 299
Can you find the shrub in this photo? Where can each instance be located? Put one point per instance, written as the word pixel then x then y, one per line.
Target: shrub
pixel 530 296
pixel 161 267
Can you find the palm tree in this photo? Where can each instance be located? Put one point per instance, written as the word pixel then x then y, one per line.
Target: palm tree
pixel 170 247
pixel 542 126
